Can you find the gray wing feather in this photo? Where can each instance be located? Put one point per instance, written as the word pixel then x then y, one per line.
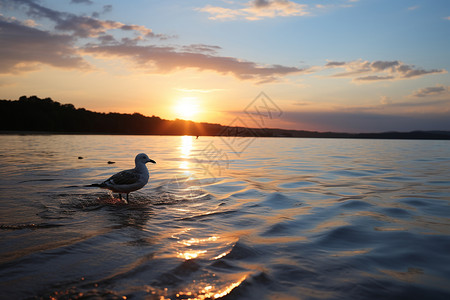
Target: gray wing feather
pixel 124 177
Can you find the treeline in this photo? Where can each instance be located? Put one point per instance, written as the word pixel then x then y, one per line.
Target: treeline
pixel 45 115
pixel 32 114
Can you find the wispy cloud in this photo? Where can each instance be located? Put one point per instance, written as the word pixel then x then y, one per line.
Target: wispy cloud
pixel 168 59
pixel 81 1
pixel 201 48
pixel 413 7
pixel 257 10
pixel 366 71
pixel 431 91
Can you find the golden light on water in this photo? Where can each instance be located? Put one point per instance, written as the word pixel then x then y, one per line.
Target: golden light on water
pixel 210 292
pixel 185 149
pixel 186 146
pixel 193 241
pixel 184 165
pixel 221 255
pixel 229 288
pixel 191 254
pixel 203 247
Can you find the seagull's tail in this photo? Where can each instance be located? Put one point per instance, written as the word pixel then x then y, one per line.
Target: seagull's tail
pixel 93 185
pixel 100 185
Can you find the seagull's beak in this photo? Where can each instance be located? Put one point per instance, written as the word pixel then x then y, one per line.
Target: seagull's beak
pixel 151 160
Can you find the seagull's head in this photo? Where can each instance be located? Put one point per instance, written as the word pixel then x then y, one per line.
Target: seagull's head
pixel 143 158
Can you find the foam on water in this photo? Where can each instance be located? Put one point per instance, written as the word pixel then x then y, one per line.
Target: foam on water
pixel 285 219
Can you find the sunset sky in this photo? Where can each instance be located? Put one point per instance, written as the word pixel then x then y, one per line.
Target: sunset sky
pixel 328 65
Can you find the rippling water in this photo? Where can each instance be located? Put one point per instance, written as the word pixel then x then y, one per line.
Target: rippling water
pixel 232 218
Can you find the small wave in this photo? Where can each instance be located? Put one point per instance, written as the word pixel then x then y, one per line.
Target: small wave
pixel 246 194
pixel 226 266
pixel 253 286
pixel 39 180
pixel 297 184
pixel 281 229
pixel 78 293
pixel 344 236
pixel 175 276
pixel 242 251
pixel 396 212
pixel 355 204
pixel 207 215
pixel 28 226
pixel 277 200
pixel 350 173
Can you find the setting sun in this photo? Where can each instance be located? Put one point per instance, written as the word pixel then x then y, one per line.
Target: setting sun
pixel 186 108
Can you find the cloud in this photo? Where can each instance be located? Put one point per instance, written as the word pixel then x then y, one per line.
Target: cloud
pixel 257 10
pixel 385 100
pixel 430 91
pixel 302 103
pixel 374 78
pixel 76 35
pixel 81 26
pixel 82 1
pixel 435 105
pixel 383 65
pixel 168 59
pixel 367 71
pixel 28 46
pixel 201 48
pixel 106 9
pixel 335 64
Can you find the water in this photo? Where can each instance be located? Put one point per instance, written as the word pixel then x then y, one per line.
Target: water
pixel 234 218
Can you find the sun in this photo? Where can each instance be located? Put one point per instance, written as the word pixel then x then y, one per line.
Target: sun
pixel 186 108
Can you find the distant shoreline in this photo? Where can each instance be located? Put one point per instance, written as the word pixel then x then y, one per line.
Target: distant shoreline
pixel 35 116
pixel 361 136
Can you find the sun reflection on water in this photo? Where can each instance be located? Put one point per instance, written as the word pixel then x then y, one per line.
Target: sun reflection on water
pixel 198 241
pixel 229 288
pixel 186 146
pixel 184 165
pixel 185 149
pixel 191 254
pixel 210 291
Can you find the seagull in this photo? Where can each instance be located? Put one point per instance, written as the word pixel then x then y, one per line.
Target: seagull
pixel 128 181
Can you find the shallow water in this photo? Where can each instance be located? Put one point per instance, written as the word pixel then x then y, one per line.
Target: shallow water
pixel 231 218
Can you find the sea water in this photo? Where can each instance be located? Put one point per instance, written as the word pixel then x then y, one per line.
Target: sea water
pixel 231 218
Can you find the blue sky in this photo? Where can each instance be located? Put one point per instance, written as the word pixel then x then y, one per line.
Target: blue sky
pixel 343 65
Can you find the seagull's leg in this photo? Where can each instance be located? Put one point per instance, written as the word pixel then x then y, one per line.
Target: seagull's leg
pixel 120 196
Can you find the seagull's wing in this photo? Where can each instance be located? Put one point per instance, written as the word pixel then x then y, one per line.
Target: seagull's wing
pixel 124 177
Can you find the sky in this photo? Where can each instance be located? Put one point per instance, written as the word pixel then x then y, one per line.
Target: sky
pixel 323 65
